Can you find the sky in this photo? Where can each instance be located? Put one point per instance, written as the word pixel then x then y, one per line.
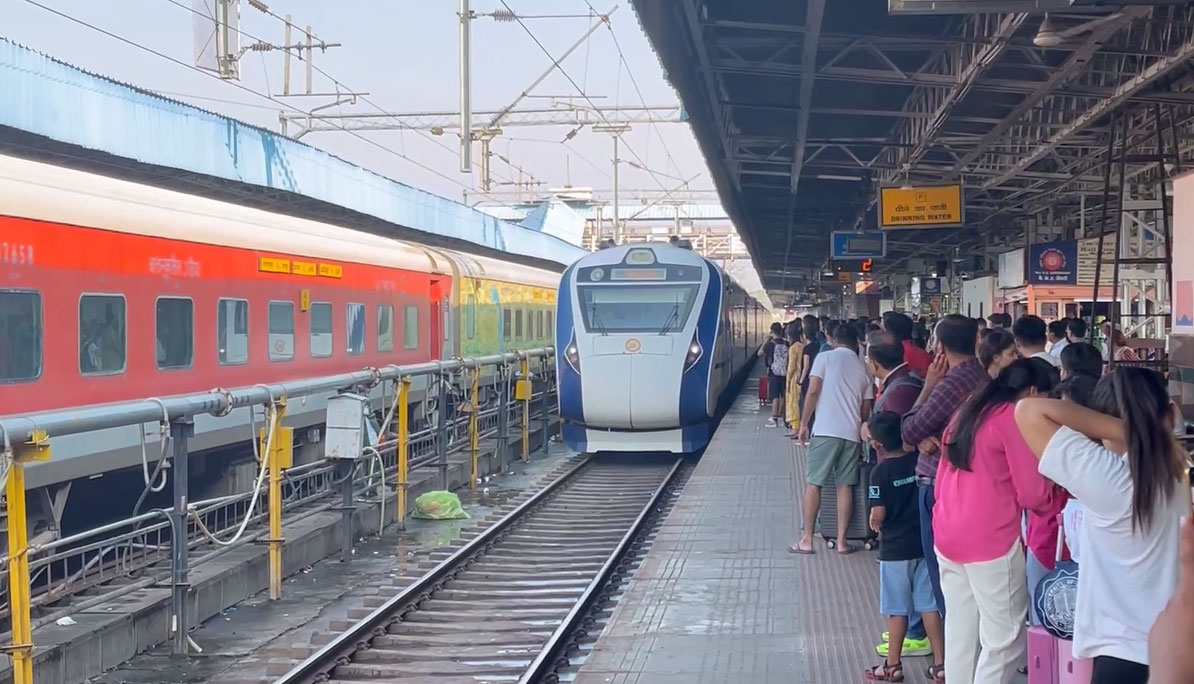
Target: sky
pixel 404 54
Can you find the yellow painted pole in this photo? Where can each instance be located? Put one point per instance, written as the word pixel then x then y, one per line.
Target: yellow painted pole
pixel 525 368
pixel 18 557
pixel 279 457
pixel 474 429
pixel 403 448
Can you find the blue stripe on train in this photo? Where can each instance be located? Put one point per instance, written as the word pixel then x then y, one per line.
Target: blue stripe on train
pixel 568 381
pixel 694 385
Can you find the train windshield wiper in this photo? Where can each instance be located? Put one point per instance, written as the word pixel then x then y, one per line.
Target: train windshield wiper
pixel 673 317
pixel 596 316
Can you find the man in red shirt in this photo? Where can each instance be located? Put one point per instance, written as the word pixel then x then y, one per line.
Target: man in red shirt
pixel 900 325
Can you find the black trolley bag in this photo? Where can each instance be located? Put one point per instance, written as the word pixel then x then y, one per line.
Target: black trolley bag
pixel 860 519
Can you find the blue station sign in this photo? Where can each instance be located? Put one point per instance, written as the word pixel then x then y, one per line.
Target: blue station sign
pixel 867 244
pixel 1053 263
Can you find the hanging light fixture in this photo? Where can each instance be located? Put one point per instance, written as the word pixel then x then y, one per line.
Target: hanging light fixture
pixel 1047 36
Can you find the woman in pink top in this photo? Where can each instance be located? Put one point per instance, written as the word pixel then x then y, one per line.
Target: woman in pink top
pixel 986 481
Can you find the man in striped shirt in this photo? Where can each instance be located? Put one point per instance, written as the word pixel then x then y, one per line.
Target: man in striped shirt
pixel 954 375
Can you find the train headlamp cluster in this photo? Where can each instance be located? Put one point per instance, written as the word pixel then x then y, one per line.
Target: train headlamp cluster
pixel 695 352
pixel 572 354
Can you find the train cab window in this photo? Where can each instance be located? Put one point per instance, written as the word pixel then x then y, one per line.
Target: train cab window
pixel 385 327
pixel 356 328
pixel 321 330
pixel 102 334
pixel 281 331
pixel 410 328
pixel 470 317
pixel 507 325
pixel 662 308
pixel 20 336
pixel 232 326
pixel 175 332
pixel 518 325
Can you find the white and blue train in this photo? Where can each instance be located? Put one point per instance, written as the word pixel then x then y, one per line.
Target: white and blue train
pixel 652 342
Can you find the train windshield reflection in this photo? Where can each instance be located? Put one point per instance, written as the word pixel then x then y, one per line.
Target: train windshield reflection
pixel 636 308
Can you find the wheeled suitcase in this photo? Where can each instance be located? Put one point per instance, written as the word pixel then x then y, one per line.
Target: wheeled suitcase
pixel 1042 656
pixel 1071 670
pixel 859 528
pixel 763 391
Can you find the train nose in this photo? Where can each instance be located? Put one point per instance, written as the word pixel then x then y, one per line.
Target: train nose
pixel 642 394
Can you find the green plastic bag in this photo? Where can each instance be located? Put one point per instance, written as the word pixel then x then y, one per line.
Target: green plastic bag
pixel 439 506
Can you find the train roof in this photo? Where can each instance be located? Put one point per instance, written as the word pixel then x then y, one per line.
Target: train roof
pixel 475 266
pixel 34 190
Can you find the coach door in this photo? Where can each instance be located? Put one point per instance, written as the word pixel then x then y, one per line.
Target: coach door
pixel 437 319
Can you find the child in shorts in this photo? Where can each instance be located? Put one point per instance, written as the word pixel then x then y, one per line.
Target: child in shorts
pixel 904 584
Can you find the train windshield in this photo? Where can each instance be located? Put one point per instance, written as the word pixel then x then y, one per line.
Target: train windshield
pixel 636 308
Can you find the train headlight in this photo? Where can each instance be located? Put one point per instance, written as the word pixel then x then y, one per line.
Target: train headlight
pixel 695 352
pixel 572 354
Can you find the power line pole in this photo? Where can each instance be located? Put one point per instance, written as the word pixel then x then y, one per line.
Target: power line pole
pixel 615 131
pixel 466 113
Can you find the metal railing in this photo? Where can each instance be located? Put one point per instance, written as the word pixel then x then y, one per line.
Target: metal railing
pixel 134 551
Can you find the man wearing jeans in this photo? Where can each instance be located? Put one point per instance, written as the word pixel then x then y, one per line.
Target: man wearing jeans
pixel 953 377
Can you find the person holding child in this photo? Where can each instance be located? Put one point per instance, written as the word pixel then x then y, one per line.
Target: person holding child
pixel 904 585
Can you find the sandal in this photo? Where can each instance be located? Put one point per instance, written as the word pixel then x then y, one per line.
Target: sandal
pixel 936 673
pixel 885 673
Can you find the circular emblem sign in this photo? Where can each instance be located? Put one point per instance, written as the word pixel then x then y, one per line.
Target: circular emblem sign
pixel 633 346
pixel 1052 260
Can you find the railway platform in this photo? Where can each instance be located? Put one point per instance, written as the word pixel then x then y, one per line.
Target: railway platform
pixel 718 599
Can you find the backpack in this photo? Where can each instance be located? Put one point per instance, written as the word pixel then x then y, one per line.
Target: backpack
pixel 898 382
pixel 779 362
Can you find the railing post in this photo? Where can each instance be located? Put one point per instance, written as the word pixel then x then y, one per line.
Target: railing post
pixel 503 382
pixel 441 435
pixel 403 448
pixel 19 592
pixel 474 429
pixel 345 468
pixel 181 430
pixel 278 449
pixel 525 392
pixel 545 435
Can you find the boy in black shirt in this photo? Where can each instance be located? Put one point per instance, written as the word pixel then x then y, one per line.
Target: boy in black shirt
pixel 903 576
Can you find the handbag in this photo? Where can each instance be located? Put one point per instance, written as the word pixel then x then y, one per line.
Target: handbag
pixel 1057 594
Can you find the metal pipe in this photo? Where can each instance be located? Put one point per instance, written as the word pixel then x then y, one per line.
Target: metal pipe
pixel 276 458
pixel 403 475
pixel 347 509
pixel 441 433
pixel 21 428
pixel 181 430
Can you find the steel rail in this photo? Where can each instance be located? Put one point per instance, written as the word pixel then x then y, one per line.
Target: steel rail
pixel 319 666
pixel 545 662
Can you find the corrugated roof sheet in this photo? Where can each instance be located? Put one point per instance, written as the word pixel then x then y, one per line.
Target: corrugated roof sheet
pixel 44 96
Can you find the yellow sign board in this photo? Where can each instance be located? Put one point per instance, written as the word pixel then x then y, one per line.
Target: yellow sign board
pixel 331 271
pixel 304 300
pixel 272 265
pixel 937 206
pixel 304 268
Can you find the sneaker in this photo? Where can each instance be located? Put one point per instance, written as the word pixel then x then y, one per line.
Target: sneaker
pixel 913 648
pixel 771 423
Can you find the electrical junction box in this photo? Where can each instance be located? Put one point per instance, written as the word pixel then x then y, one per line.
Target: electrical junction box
pixel 345 433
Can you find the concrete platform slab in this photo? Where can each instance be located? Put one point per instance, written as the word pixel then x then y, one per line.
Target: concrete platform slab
pixel 720 600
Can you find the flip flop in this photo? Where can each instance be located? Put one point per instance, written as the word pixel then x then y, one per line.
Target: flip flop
pixel 795 548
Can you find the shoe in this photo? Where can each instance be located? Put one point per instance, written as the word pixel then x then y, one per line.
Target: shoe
pixel 771 422
pixel 913 648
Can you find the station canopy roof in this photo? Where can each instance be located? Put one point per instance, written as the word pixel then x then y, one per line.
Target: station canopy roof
pixel 804 108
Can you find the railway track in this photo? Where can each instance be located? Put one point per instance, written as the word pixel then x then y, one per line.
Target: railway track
pixel 503 607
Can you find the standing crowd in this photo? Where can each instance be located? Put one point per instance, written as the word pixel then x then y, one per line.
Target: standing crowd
pixel 994 457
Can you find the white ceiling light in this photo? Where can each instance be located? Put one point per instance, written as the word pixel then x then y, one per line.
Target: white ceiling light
pixel 1047 36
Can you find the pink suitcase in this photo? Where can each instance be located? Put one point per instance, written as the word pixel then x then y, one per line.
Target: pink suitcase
pixel 1071 670
pixel 1043 665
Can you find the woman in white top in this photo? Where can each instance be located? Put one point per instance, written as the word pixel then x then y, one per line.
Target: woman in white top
pixel 1133 506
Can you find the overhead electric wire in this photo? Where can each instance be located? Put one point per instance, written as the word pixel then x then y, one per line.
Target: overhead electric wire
pixel 340 84
pixel 634 82
pixel 247 89
pixel 580 90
